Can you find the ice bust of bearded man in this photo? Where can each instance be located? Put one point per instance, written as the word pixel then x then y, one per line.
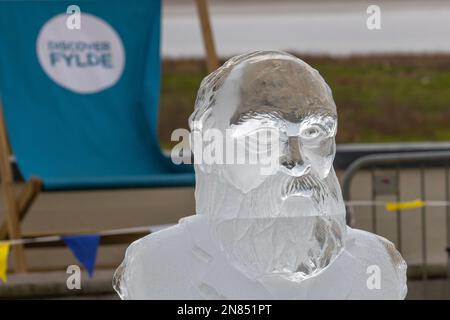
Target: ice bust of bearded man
pixel 277 233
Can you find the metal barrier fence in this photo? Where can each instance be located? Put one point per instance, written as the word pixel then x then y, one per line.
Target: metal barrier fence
pixel 396 162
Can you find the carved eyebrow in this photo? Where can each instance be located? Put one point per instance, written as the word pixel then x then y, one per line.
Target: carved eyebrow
pixel 314 113
pixel 258 115
pixel 253 124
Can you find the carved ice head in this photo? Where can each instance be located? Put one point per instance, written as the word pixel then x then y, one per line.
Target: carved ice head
pixel 264 130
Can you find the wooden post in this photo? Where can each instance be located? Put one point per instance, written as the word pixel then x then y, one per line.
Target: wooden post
pixel 9 198
pixel 212 62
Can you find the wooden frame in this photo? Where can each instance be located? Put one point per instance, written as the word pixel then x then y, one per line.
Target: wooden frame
pixel 212 62
pixel 17 206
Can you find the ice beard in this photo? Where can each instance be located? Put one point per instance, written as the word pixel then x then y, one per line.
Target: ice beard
pixel 293 227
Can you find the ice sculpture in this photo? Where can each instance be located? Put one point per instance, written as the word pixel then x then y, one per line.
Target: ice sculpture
pixel 280 234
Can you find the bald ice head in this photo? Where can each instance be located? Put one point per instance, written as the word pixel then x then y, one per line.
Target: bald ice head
pixel 266 82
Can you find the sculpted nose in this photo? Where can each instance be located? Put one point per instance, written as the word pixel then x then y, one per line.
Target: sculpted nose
pixel 293 162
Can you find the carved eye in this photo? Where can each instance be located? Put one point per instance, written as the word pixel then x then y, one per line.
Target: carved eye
pixel 311 132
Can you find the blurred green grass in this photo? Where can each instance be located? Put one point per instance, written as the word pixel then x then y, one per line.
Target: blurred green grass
pixel 391 98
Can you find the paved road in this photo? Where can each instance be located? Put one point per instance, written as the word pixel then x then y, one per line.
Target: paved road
pixel 320 27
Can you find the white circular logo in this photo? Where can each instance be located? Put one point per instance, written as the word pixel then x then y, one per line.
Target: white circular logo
pixel 85 60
